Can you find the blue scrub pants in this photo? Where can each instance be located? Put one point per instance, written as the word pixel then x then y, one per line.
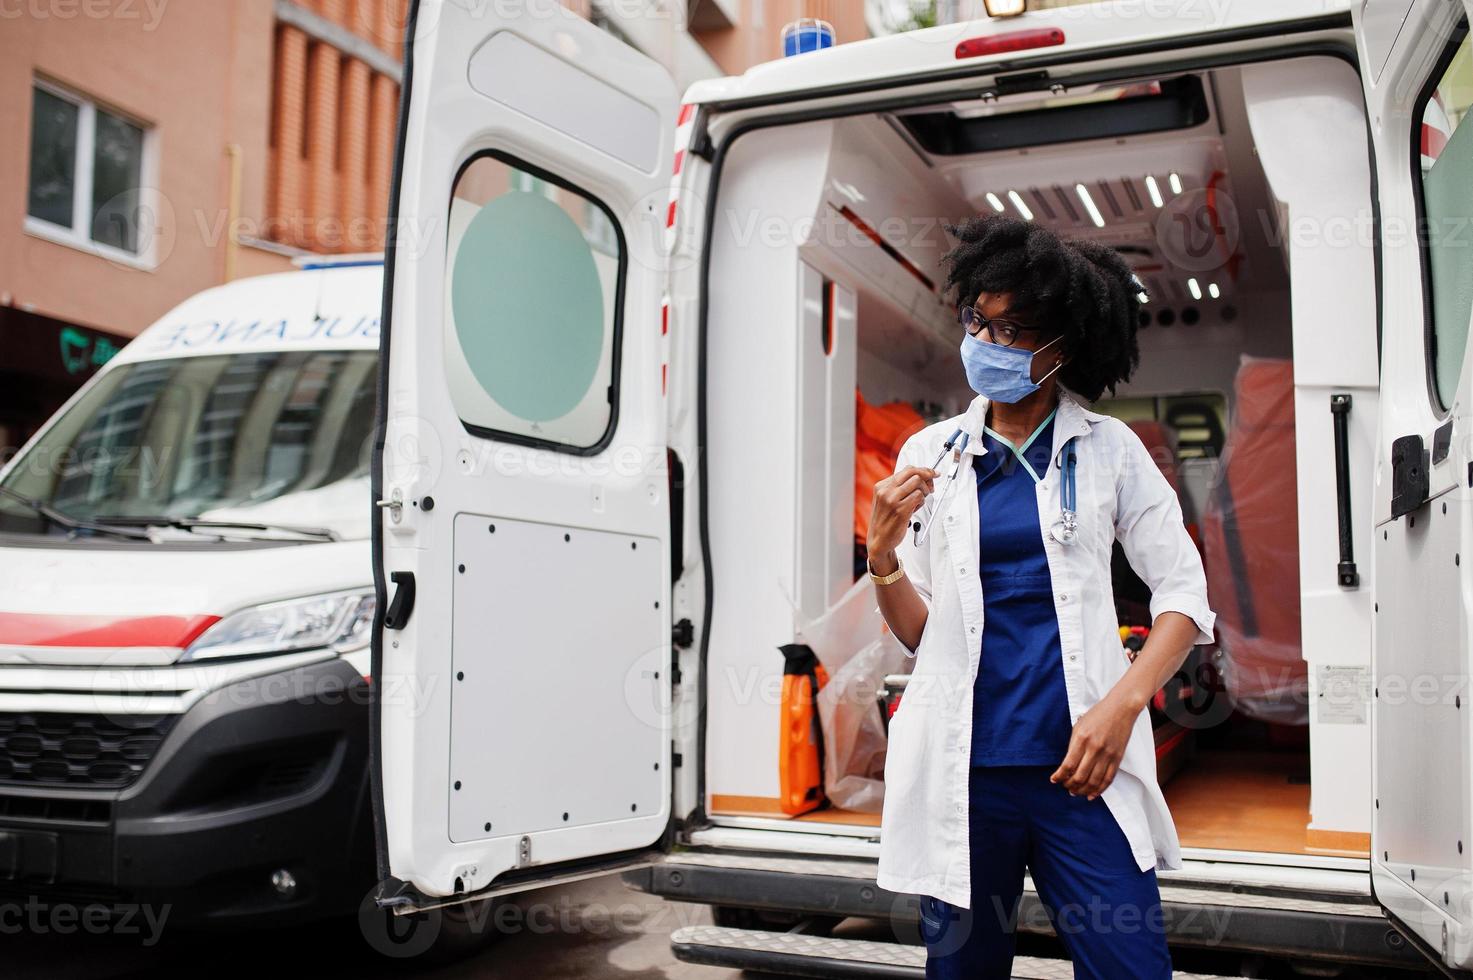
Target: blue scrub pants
pixel 1103 907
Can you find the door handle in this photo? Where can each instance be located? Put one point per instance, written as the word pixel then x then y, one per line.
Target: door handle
pixel 1345 570
pixel 403 602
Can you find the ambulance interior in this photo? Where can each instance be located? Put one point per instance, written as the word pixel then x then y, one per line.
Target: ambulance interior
pixel 1202 180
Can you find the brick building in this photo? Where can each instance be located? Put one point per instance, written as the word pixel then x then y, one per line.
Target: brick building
pixel 163 146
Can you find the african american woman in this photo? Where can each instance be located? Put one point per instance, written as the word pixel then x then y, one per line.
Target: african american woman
pixel 1022 739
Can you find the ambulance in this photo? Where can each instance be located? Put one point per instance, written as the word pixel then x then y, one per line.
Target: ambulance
pixel 622 339
pixel 185 611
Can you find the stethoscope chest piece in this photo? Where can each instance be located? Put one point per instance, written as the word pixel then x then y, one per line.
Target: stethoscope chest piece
pixel 1065 528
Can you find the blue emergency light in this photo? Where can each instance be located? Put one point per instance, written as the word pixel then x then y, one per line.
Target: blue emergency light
pixel 807 34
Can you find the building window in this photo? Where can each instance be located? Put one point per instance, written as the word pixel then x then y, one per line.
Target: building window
pixel 1445 168
pixel 87 173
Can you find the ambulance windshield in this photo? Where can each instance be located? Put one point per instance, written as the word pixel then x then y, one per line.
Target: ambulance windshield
pixel 278 439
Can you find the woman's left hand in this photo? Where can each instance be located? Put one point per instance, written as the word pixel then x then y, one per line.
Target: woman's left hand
pixel 1096 747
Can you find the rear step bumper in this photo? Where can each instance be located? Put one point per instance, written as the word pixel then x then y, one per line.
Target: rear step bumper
pixel 1335 928
pixel 794 954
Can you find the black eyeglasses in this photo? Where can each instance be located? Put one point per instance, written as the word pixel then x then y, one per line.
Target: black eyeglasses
pixel 1002 330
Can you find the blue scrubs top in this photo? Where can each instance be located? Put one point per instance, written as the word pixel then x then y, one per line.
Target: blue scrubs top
pixel 1020 709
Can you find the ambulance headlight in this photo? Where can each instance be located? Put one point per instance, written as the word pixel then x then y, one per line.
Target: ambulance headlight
pixel 342 622
pixel 1003 8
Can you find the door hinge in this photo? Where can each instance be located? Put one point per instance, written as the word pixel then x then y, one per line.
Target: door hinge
pixel 675 758
pixel 1021 81
pixel 675 673
pixel 683 634
pixel 700 141
pixel 1410 480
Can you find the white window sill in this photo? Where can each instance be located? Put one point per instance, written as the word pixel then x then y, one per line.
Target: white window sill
pixel 65 236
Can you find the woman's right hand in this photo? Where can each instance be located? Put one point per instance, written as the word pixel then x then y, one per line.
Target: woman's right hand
pixel 897 498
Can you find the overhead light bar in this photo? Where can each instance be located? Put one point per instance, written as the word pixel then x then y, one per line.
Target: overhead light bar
pixel 1154 191
pixel 1089 205
pixel 1212 290
pixel 1175 183
pixel 1196 289
pixel 1018 203
pixel 996 202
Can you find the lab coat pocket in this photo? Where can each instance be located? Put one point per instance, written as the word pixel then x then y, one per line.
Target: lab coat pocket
pixel 902 761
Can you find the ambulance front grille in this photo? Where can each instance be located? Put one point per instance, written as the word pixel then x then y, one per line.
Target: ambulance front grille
pixel 79 750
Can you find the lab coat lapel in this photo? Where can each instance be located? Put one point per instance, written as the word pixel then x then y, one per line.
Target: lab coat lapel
pixel 972 421
pixel 1072 420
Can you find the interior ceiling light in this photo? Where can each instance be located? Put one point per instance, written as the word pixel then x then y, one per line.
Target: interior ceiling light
pixel 1175 183
pixel 1018 203
pixel 1089 205
pixel 995 201
pixel 1154 191
pixel 1212 290
pixel 1196 289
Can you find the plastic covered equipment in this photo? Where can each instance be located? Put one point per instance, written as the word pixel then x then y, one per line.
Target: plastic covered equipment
pixel 856 650
pixel 1250 544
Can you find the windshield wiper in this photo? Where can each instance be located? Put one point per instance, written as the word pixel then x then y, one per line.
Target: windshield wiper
pixel 62 519
pixel 204 524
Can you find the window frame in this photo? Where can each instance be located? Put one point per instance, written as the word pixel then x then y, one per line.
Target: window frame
pixel 616 341
pixel 1434 78
pixel 79 234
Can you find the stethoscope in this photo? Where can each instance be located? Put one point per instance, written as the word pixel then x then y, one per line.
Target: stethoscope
pixel 1065 530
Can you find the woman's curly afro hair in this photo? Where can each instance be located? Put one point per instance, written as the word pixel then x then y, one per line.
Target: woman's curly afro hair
pixel 1081 290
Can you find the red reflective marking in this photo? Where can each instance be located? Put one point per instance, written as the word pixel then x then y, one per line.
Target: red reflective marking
pixel 664 372
pixel 664 318
pixel 670 216
pixel 47 630
pixel 679 159
pixel 685 112
pixel 1042 37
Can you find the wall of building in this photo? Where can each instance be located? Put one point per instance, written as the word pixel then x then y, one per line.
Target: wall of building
pixel 269 133
pixel 193 75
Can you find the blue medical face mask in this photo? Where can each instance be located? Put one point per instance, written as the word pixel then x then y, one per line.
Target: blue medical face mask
pixel 1002 374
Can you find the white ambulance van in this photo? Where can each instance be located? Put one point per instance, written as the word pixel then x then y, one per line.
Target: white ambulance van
pixel 617 473
pixel 185 608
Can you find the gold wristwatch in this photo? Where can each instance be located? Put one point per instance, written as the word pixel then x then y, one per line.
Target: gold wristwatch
pixel 894 576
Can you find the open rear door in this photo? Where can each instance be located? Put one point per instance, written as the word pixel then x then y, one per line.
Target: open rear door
pixel 522 546
pixel 1419 83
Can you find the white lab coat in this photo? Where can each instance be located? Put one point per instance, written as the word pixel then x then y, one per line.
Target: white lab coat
pixel 1121 494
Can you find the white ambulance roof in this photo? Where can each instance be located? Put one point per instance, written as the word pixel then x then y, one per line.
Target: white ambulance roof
pixel 1088 25
pixel 313 309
